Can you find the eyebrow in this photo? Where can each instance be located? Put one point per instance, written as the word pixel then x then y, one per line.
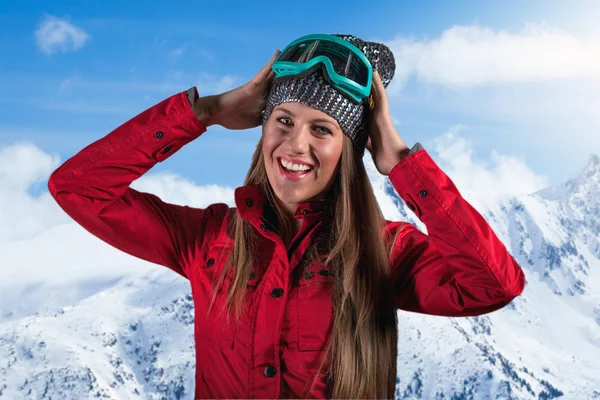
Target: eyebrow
pixel 290 112
pixel 286 111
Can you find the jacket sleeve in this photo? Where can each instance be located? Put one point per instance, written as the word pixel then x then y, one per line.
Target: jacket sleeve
pixel 460 268
pixel 93 186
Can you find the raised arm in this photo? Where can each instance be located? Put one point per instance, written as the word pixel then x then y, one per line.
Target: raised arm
pixel 460 268
pixel 93 186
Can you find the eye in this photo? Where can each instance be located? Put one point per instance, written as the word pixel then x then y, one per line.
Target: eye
pixel 285 121
pixel 322 130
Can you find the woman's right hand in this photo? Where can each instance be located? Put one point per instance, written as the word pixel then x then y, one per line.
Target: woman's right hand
pixel 239 108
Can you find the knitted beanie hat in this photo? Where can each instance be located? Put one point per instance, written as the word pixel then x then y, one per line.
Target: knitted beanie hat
pixel 314 91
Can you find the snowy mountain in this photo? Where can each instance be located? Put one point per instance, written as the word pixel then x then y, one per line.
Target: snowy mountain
pixel 133 337
pixel 546 343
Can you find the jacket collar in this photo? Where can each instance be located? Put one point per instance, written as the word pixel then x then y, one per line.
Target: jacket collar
pixel 251 200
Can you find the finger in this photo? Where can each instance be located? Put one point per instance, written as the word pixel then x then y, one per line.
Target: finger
pixel 378 84
pixel 374 94
pixel 379 89
pixel 265 71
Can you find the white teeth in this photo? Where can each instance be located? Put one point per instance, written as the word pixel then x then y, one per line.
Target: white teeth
pixel 294 167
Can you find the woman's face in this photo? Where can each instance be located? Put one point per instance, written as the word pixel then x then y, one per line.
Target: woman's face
pixel 302 148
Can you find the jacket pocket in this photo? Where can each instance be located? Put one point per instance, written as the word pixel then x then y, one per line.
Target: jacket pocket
pixel 315 308
pixel 212 327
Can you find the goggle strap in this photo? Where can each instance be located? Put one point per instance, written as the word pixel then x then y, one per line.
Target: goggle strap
pixel 325 75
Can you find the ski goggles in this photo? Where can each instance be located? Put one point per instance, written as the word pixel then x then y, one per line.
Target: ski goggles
pixel 346 68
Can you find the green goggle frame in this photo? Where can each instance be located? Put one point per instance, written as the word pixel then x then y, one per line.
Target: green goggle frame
pixel 346 68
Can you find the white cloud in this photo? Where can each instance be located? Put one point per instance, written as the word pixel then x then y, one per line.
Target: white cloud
pixel 22 164
pixel 471 55
pixel 56 35
pixel 23 215
pixel 540 81
pixel 175 189
pixel 481 182
pixel 40 243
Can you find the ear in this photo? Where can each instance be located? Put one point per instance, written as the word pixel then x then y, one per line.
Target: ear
pixel 369 146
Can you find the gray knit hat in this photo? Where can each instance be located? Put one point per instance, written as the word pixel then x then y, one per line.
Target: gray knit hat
pixel 314 91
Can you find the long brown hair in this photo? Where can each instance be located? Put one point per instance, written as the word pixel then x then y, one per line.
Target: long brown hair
pixel 362 348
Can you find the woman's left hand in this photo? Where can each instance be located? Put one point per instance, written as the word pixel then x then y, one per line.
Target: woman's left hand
pixel 385 144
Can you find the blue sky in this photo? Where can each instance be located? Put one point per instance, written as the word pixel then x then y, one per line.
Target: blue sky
pixel 505 78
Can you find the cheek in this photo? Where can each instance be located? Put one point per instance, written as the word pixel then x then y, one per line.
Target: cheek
pixel 267 147
pixel 330 155
pixel 270 141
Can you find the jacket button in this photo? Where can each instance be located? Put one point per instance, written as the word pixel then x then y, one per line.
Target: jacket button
pixel 263 227
pixel 270 371
pixel 249 202
pixel 277 292
pixel 423 193
pixel 410 205
pixel 210 262
pixel 167 149
pixel 159 135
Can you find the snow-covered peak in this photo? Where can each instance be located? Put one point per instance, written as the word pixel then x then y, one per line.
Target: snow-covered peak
pixel 588 177
pixel 593 162
pixel 586 182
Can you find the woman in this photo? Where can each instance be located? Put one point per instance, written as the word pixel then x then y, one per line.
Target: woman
pixel 305 263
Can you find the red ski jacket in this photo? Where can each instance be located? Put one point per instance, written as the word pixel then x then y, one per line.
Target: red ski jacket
pixel 459 269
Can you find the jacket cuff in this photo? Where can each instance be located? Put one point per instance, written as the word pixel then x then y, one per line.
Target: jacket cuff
pixel 415 148
pixel 412 178
pixel 192 95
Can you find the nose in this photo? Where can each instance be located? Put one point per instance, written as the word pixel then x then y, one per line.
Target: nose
pixel 299 139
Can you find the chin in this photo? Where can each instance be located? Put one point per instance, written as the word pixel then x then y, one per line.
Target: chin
pixel 289 192
pixel 291 195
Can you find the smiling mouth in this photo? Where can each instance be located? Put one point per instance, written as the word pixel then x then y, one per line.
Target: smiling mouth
pixel 294 168
pixel 291 174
